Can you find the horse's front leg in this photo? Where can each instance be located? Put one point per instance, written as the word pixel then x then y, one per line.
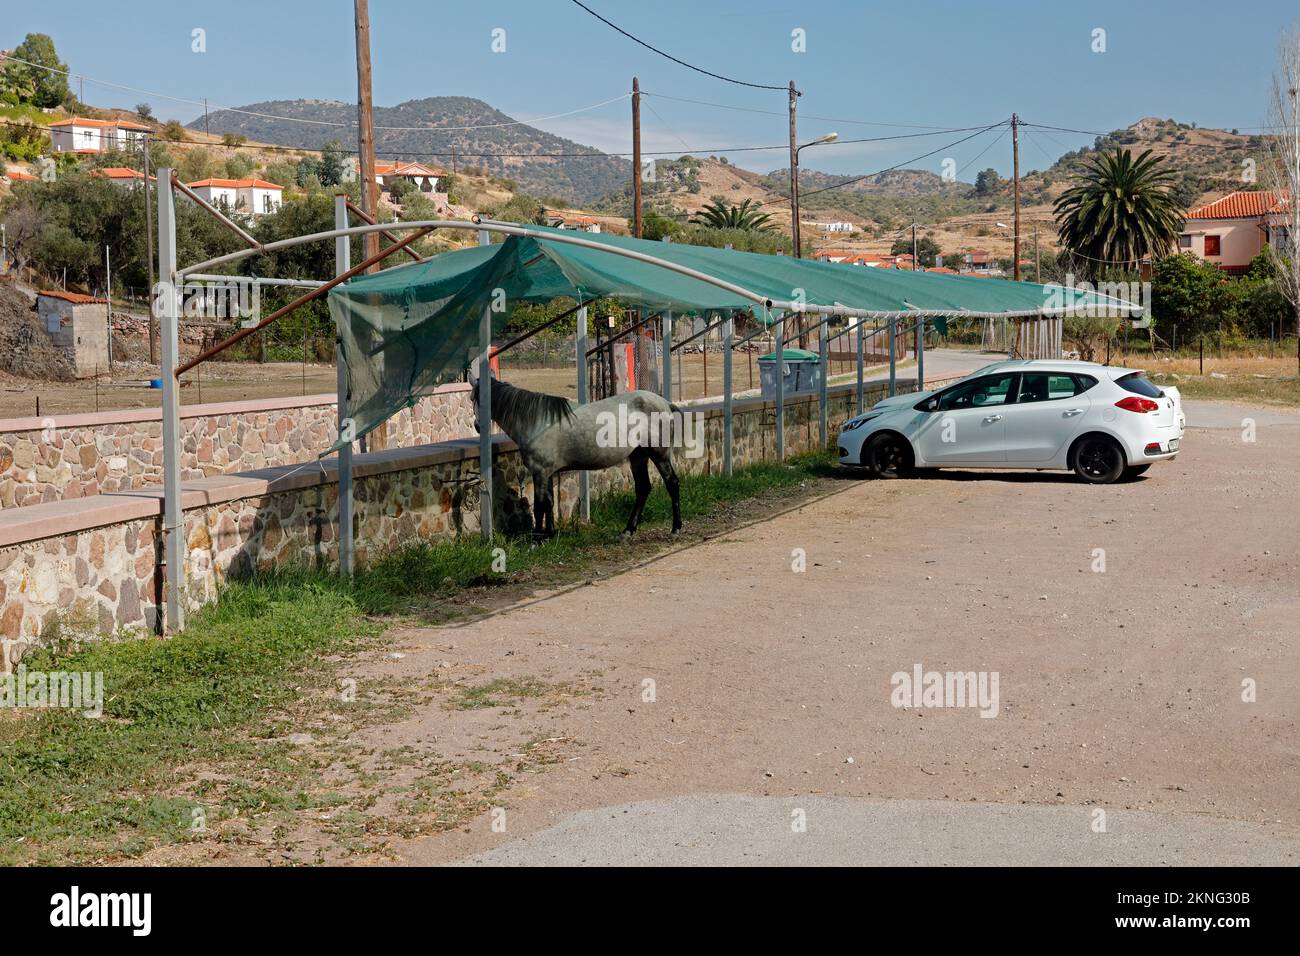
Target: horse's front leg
pixel 550 506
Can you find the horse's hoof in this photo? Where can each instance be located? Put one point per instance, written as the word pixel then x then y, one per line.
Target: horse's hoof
pixel 627 534
pixel 677 531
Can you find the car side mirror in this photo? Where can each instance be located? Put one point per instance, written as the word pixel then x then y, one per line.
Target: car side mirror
pixel 930 405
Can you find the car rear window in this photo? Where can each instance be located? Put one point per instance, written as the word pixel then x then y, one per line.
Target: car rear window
pixel 1138 384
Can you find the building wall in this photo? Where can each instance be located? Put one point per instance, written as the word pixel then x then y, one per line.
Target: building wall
pixel 81 331
pixel 1240 240
pixel 73 456
pixel 91 566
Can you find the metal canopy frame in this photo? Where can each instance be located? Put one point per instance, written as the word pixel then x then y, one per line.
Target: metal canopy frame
pixel 171 278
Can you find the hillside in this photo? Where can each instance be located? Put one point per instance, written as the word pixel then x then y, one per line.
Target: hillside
pixel 583 176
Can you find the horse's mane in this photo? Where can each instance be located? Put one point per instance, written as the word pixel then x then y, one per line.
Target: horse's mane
pixel 520 412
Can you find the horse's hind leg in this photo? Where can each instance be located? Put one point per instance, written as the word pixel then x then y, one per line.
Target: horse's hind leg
pixel 640 465
pixel 663 459
pixel 541 502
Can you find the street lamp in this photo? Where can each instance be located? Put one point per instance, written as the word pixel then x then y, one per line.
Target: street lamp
pixel 794 189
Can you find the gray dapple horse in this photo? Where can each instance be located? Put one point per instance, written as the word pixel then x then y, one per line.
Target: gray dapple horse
pixel 555 435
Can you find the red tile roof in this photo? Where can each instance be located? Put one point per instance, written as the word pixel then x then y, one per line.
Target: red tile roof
pixel 119 172
pixel 234 184
pixel 118 124
pixel 17 175
pixel 1240 205
pixel 76 298
pixel 406 169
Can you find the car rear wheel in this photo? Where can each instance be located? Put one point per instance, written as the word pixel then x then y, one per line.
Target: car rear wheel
pixel 1098 460
pixel 888 456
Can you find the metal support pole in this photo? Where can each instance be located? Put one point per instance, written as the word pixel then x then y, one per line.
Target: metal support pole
pixel 666 372
pixel 861 364
pixel 347 544
pixel 824 354
pixel 780 385
pixel 920 354
pixel 485 413
pixel 726 393
pixel 893 360
pixel 169 322
pixel 580 353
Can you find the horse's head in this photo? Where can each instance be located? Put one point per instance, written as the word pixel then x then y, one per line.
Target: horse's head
pixel 474 377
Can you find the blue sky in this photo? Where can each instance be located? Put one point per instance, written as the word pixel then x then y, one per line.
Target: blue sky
pixel 937 63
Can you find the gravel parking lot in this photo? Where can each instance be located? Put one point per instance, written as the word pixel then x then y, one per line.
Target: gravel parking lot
pixel 1121 684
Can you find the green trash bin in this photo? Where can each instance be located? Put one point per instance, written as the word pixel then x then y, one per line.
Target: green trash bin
pixel 801 369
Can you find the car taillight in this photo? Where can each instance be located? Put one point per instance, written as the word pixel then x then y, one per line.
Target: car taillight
pixel 1135 403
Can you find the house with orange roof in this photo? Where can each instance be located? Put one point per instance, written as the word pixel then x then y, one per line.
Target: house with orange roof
pixel 252 197
pixel 121 175
pixel 77 324
pixel 425 178
pixel 1232 230
pixel 80 135
pixel 18 176
pixel 562 220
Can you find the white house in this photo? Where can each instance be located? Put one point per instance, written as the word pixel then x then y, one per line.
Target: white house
pixel 560 220
pixel 253 197
pixel 836 226
pixel 424 177
pixel 78 135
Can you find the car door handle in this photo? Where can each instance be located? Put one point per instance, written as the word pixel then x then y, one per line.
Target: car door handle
pixel 1073 411
pixel 992 418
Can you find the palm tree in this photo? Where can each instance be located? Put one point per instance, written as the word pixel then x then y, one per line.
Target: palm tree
pixel 719 214
pixel 1124 210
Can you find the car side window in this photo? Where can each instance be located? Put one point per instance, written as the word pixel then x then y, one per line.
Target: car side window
pixel 981 393
pixel 1046 387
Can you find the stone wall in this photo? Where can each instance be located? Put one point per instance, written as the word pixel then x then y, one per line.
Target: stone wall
pixel 91 565
pixel 72 456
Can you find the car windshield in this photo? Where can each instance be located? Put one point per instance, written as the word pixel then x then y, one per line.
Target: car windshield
pixel 1138 384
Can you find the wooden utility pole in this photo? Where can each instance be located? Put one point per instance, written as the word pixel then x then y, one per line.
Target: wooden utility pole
pixel 1015 174
pixel 366 126
pixel 794 171
pixel 1038 263
pixel 636 157
pixel 916 263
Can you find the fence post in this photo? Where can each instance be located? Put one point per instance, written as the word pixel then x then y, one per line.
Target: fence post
pixel 173 526
pixel 726 393
pixel 780 384
pixel 920 353
pixel 347 545
pixel 861 363
pixel 666 373
pixel 893 360
pixel 823 348
pixel 485 413
pixel 580 349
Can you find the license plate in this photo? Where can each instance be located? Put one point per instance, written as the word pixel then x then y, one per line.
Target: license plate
pixel 1173 444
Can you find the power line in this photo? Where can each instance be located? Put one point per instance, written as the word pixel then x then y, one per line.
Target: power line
pixel 669 56
pixel 825 119
pixel 914 159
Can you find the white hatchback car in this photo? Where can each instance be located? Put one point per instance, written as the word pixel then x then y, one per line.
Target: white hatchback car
pixel 1102 422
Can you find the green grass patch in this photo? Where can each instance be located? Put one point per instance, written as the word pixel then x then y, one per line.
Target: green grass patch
pixel 1255 389
pixel 74 789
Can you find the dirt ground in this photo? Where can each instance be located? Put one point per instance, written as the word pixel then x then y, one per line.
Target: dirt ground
pixel 1121 686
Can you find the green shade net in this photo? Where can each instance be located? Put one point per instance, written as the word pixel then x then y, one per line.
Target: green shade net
pixel 408 329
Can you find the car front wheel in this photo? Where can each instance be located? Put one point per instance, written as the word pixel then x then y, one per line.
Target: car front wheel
pixel 887 456
pixel 1099 460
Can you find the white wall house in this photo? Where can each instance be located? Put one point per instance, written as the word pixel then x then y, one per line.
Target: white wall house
pixel 836 226
pixel 78 135
pixel 425 178
pixel 253 197
pixel 560 220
